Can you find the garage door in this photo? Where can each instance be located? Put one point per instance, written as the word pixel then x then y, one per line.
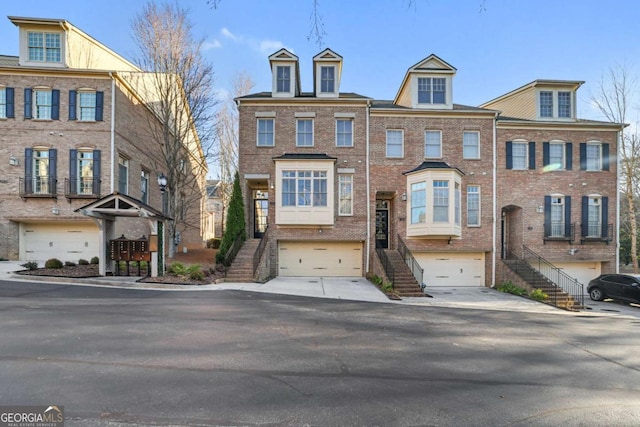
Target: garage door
pixel 452 269
pixel 66 242
pixel 582 271
pixel 329 259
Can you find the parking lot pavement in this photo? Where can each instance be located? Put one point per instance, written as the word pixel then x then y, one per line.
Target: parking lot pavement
pixel 611 307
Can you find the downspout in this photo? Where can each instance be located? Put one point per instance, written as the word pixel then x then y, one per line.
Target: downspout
pixel 619 141
pixel 113 132
pixel 368 242
pixel 495 200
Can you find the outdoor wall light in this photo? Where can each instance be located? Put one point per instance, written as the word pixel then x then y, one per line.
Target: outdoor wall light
pixel 162 182
pixel 540 209
pixel 55 211
pixel 404 197
pixel 13 161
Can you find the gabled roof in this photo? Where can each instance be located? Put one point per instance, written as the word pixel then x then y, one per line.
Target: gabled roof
pixel 327 55
pixel 431 165
pixel 304 156
pixel 282 55
pixel 573 84
pixel 120 205
pixel 430 64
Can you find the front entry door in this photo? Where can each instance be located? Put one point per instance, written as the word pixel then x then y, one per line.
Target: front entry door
pixel 382 229
pixel 260 214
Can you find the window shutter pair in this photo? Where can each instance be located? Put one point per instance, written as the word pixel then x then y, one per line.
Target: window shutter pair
pixel 604 220
pixel 568 155
pixel 73 95
pixel 532 155
pixel 583 156
pixel 28 104
pixel 28 169
pixel 567 216
pixel 73 171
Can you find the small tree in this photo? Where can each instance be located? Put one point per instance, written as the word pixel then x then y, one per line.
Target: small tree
pixel 235 221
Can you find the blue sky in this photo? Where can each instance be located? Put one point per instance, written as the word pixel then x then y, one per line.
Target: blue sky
pixel 495 49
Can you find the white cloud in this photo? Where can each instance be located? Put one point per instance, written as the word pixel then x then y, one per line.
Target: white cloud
pixel 228 34
pixel 214 44
pixel 267 47
pixel 263 47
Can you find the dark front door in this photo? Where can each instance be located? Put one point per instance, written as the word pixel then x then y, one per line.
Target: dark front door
pixel 382 229
pixel 260 215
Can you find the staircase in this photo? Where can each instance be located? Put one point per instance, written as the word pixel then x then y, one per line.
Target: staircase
pixel 535 279
pixel 404 283
pixel 241 270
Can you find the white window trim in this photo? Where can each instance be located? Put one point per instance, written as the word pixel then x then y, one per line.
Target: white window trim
pixel 425 144
pixel 479 193
pixel 563 165
pixel 448 97
pixel 312 131
pixel 594 197
pixel 350 176
pixel 292 79
pixel 79 93
pixel 555 108
pixel 24 49
pixel 562 223
pixel 273 142
pixel 477 132
pixel 526 155
pixel 34 103
pixel 3 110
pixel 600 156
pixel 352 128
pixel 386 145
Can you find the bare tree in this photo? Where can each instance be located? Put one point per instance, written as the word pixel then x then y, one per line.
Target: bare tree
pixel 227 136
pixel 613 98
pixel 177 85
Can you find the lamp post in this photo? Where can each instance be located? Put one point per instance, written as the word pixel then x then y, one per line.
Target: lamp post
pixel 162 183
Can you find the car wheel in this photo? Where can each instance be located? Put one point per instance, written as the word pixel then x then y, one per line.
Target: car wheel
pixel 596 294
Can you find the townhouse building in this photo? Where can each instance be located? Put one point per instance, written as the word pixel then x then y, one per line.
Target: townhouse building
pixel 342 181
pixel 75 130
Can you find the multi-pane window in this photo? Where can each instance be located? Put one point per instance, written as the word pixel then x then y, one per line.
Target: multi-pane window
pixel 44 47
pixel 144 186
pixel 473 205
pixel 419 202
pixel 3 102
pixel 431 90
pixel 433 144
pixel 519 155
pixel 345 183
pixel 283 79
pixel 557 216
pixel 546 104
pixel 564 104
pixel 457 201
pixel 395 143
pixel 42 100
pixel 344 133
pixel 594 157
pixel 327 79
pixel 556 155
pixel 85 172
pixel 87 106
pixel 440 201
pixel 123 175
pixel 304 133
pixel 471 145
pixel 40 169
pixel 594 215
pixel 304 188
pixel 265 133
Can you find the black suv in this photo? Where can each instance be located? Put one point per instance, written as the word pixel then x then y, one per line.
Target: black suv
pixel 623 287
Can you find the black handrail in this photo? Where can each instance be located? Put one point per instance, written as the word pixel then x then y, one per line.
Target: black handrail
pixel 555 275
pixel 414 266
pixel 34 186
pixel 233 250
pixel 386 265
pixel 257 255
pixel 82 187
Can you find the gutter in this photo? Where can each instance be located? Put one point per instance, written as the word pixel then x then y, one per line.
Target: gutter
pixel 495 200
pixel 620 140
pixel 113 133
pixel 368 245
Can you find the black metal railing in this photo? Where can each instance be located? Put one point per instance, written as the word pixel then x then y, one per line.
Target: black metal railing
pixel 233 250
pixel 79 188
pixel 257 255
pixel 37 186
pixel 414 266
pixel 555 275
pixel 558 231
pixel 596 232
pixel 386 265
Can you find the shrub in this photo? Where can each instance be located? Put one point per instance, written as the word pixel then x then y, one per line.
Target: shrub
pixel 95 260
pixel 83 262
pixel 538 295
pixel 213 243
pixel 53 263
pixel 196 274
pixel 178 269
pixel 510 288
pixel 69 264
pixel 30 265
pixel 235 221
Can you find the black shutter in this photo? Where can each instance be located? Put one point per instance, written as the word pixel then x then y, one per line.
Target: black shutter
pixel 28 98
pixel 567 216
pixel 509 155
pixel 568 156
pixel 96 172
pixel 99 106
pixel 72 104
pixel 605 217
pixel 28 170
pixel 9 98
pixel 532 155
pixel 583 156
pixel 545 154
pixel 584 228
pixel 55 104
pixel 605 157
pixel 73 171
pixel 53 166
pixel 547 216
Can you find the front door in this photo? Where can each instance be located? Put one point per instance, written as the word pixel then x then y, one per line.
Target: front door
pixel 260 214
pixel 382 229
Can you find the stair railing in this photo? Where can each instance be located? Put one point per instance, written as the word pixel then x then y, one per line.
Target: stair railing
pixel 257 255
pixel 386 265
pixel 558 277
pixel 233 250
pixel 414 266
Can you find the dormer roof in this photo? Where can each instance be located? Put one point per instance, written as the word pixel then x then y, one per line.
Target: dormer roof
pixel 561 84
pixel 285 57
pixel 430 65
pixel 327 58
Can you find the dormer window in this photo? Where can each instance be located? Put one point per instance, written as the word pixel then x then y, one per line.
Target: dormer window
pixel 283 79
pixel 328 79
pixel 431 90
pixel 564 104
pixel 44 47
pixel 555 104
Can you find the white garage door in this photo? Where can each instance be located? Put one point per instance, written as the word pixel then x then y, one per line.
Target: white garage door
pixel 452 269
pixel 582 271
pixel 66 242
pixel 329 259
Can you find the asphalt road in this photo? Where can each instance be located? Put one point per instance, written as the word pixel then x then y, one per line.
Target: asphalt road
pixel 115 357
